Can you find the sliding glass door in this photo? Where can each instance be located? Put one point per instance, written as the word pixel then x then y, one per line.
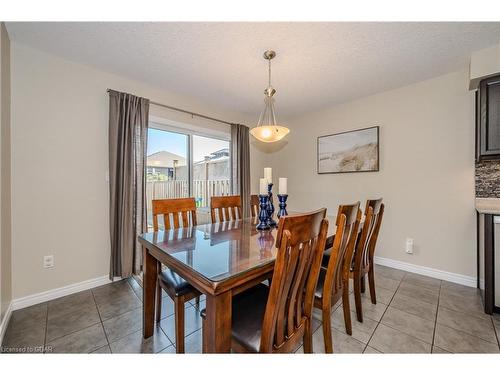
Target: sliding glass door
pixel 184 164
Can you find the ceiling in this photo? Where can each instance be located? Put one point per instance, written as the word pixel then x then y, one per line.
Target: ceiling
pixel 317 64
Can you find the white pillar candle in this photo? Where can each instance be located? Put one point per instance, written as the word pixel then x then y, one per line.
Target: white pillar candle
pixel 263 186
pixel 282 186
pixel 268 175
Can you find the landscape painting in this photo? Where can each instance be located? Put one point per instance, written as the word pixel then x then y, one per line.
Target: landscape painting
pixel 353 151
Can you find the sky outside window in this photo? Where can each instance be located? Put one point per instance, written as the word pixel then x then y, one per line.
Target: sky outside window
pixel 161 140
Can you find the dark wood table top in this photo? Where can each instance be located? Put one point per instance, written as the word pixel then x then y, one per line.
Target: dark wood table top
pixel 220 251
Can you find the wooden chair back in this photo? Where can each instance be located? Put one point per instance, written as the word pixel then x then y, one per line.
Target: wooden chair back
pixel 225 208
pixel 339 265
pixel 300 241
pixel 254 205
pixel 365 250
pixel 180 210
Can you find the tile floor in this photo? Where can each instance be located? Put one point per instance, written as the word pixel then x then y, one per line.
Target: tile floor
pixel 413 314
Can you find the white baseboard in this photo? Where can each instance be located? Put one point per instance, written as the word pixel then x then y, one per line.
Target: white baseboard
pixel 48 295
pixel 5 322
pixel 426 271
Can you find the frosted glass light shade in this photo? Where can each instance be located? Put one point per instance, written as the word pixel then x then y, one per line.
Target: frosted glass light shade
pixel 269 133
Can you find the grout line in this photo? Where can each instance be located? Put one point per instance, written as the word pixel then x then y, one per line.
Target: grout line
pixel 46 328
pixel 435 320
pixel 378 323
pixel 497 333
pixel 100 319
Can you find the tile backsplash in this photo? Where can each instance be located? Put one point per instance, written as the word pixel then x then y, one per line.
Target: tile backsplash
pixel 488 179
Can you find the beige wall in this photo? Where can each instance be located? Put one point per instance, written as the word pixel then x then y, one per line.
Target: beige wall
pixel 5 217
pixel 426 169
pixel 59 164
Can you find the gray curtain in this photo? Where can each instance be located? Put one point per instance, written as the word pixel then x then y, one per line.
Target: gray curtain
pixel 128 124
pixel 240 156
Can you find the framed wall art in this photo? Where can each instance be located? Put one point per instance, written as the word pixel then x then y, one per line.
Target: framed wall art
pixel 351 151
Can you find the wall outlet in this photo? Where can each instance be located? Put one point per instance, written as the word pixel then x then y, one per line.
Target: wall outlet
pixel 48 261
pixel 409 246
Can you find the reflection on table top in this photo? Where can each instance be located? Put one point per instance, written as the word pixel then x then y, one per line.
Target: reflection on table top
pixel 221 250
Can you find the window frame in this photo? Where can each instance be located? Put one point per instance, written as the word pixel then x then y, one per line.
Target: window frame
pixel 189 131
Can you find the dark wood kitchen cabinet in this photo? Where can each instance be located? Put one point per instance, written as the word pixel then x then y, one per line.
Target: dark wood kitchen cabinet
pixel 488 119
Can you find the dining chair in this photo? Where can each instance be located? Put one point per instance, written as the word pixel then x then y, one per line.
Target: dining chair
pixel 362 264
pixel 254 205
pixel 278 318
pixel 333 282
pixel 175 212
pixel 225 208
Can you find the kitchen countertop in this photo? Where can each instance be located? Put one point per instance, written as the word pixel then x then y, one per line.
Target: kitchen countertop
pixel 488 206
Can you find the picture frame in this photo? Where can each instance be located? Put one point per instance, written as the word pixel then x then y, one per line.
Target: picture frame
pixel 349 152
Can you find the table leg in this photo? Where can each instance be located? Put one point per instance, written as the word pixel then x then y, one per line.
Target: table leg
pixel 149 276
pixel 217 324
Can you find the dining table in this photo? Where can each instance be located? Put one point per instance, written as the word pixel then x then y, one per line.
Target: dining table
pixel 220 260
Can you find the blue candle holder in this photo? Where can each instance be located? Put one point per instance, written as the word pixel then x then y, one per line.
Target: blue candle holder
pixel 270 206
pixel 282 211
pixel 263 225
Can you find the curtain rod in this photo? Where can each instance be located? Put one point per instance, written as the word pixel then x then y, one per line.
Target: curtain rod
pixel 185 111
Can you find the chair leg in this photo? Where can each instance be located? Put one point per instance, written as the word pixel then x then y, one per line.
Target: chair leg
pixel 363 284
pixel 371 281
pixel 327 328
pixel 347 310
pixel 357 297
pixel 308 345
pixel 179 325
pixel 158 302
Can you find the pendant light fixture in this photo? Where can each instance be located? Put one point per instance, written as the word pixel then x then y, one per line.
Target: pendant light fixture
pixel 267 130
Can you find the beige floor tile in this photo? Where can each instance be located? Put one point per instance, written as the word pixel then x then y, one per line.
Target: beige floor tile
pixel 84 341
pixel 422 281
pixel 386 283
pixel 413 306
pixel 418 293
pixel 467 323
pixel 123 325
pixel 24 339
pixel 135 343
pixel 456 341
pixel 370 350
pixel 78 319
pixel 438 350
pixel 390 273
pixel 33 315
pixel 410 324
pixel 71 304
pixel 360 331
pixel 342 343
pixel 382 295
pixel 457 289
pixel 192 323
pixel 103 350
pixel 370 310
pixel 193 342
pixel 470 304
pixel 389 340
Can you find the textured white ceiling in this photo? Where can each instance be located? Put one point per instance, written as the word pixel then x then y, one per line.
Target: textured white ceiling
pixel 317 63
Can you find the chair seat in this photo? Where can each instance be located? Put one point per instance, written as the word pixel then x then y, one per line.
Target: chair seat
pixel 321 282
pixel 326 257
pixel 174 284
pixel 247 316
